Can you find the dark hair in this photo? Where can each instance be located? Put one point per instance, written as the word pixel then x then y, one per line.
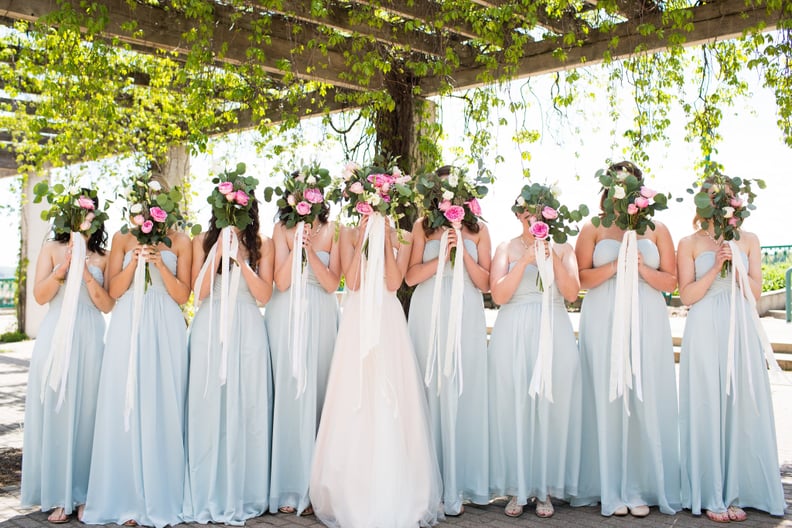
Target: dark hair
pixel 472 225
pixel 97 242
pixel 622 166
pixel 250 236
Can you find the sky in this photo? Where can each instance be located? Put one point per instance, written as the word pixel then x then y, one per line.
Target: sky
pixel 568 153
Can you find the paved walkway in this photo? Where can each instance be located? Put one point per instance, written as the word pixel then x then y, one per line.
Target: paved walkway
pixel 13 376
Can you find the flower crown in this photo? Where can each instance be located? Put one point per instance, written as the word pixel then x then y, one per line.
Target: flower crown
pixel 375 188
pixel 450 200
pixel 549 219
pixel 72 209
pixel 232 198
pixel 152 211
pixel 628 203
pixel 719 203
pixel 301 199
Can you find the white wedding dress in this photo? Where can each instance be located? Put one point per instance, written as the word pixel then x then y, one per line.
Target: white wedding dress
pixel 374 465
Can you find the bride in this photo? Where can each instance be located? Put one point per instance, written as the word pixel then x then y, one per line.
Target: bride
pixel 374 466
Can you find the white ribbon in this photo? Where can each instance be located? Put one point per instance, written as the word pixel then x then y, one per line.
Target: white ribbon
pixel 297 312
pixel 451 357
pixel 56 369
pixel 740 279
pixel 625 336
pixel 138 292
pixel 542 377
pixel 229 288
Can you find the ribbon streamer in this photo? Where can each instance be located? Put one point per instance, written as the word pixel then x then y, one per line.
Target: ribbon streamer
pixel 542 377
pixel 56 369
pixel 138 292
pixel 451 357
pixel 625 336
pixel 297 313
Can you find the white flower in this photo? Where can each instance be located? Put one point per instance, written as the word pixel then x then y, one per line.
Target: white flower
pixel 520 201
pixel 715 188
pixel 310 180
pixel 74 190
pixel 136 208
pixel 396 172
pixel 448 195
pixel 622 174
pixel 728 212
pixel 375 199
pixel 555 189
pixel 453 180
pixel 290 200
pixel 618 192
pixel 154 185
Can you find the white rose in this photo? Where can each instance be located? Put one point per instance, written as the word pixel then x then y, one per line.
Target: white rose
pixel 453 180
pixel 136 208
pixel 520 201
pixel 448 195
pixel 728 212
pixel 290 200
pixel 618 192
pixel 375 199
pixel 396 172
pixel 154 185
pixel 310 180
pixel 74 190
pixel 556 190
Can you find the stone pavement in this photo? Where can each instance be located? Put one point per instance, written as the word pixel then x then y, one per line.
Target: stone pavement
pixel 14 361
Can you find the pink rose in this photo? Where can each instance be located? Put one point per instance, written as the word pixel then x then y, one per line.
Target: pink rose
pixel 444 205
pixel 475 207
pixel 147 226
pixel 735 202
pixel 158 214
pixel 642 202
pixel 85 226
pixel 385 187
pixel 632 209
pixel 539 230
pixel 646 192
pixel 85 203
pixel 313 195
pixel 733 221
pixel 385 198
pixel 303 208
pixel 549 213
pixel 225 187
pixel 242 198
pixel 230 196
pixel 138 220
pixel 290 200
pixel 364 208
pixel 455 213
pixel 403 179
pixel 356 188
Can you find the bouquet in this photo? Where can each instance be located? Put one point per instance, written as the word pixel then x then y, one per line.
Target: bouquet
pixel 548 218
pixel 72 210
pixel 450 201
pixel 231 198
pixel 302 197
pixel 375 189
pixel 629 203
pixel 719 203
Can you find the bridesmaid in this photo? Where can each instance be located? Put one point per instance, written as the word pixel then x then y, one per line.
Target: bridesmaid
pixel 458 421
pixel 296 416
pixel 57 441
pixel 137 474
pixel 629 461
pixel 729 453
pixel 534 442
pixel 229 422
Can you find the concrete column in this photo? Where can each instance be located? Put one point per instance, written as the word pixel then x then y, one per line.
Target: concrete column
pixel 34 233
pixel 176 168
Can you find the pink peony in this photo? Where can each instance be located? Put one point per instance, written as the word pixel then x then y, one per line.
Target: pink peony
pixel 147 226
pixel 735 202
pixel 138 220
pixel 158 214
pixel 241 198
pixel 642 202
pixel 733 221
pixel 539 230
pixel 632 209
pixel 444 205
pixel 474 206
pixel 549 213
pixel 402 179
pixel 225 187
pixel 313 195
pixel 646 192
pixel 303 208
pixel 385 187
pixel 385 198
pixel 364 208
pixel 85 226
pixel 85 203
pixel 356 188
pixel 455 213
pixel 230 196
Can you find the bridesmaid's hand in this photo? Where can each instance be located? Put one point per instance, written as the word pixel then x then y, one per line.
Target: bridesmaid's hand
pixel 60 272
pixel 361 230
pixel 452 242
pixel 152 256
pixel 723 254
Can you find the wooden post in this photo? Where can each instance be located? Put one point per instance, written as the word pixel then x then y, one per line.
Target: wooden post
pixel 176 168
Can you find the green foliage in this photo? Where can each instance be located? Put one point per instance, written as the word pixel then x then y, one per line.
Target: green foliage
pixel 302 197
pixel 628 204
pixel 544 210
pixel 720 203
pixel 774 276
pixel 152 211
pixel 13 337
pixel 73 210
pixel 448 197
pixel 231 198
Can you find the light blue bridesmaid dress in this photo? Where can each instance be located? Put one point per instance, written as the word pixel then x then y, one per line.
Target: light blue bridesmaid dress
pixel 628 460
pixel 729 454
pixel 534 444
pixel 139 474
pixel 458 422
pixel 57 444
pixel 228 426
pixel 295 419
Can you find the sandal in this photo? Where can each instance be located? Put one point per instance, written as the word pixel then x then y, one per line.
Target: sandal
pixel 513 509
pixel 58 516
pixel 80 511
pixel 736 514
pixel 621 511
pixel 718 517
pixel 307 511
pixel 544 509
pixel 287 509
pixel 639 511
pixel 131 522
